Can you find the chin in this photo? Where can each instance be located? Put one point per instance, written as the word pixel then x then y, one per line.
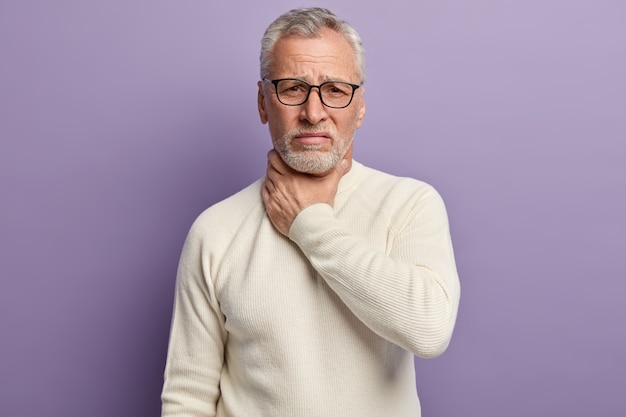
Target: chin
pixel 311 162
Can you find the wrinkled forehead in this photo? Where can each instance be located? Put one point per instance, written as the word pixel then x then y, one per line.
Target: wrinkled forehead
pixel 328 54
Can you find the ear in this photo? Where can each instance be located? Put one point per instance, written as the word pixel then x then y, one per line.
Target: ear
pixel 361 112
pixel 261 103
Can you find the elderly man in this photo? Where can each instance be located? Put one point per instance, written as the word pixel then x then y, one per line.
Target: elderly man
pixel 308 292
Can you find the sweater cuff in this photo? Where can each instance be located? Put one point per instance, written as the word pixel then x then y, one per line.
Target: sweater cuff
pixel 310 221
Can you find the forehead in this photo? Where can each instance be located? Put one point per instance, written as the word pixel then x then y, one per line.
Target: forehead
pixel 327 56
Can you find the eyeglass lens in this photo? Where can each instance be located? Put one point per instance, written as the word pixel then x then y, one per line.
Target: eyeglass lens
pixel 333 94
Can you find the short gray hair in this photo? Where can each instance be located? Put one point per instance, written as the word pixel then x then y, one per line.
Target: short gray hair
pixel 308 22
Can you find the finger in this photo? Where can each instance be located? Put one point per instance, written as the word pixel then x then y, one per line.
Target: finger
pixel 266 194
pixel 269 185
pixel 272 175
pixel 277 162
pixel 273 159
pixel 342 167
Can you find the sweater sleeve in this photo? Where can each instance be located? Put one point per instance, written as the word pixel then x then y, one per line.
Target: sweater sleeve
pixel 197 337
pixel 408 293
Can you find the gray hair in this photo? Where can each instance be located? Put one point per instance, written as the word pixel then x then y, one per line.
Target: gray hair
pixel 308 22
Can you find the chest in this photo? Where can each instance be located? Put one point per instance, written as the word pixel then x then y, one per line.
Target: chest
pixel 267 288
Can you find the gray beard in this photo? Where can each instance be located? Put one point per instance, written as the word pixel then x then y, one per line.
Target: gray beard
pixel 310 160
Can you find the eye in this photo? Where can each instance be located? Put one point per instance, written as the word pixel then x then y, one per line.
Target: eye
pixel 337 89
pixel 292 87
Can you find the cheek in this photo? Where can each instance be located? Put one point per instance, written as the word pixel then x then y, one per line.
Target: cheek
pixel 349 124
pixel 281 120
pixel 277 127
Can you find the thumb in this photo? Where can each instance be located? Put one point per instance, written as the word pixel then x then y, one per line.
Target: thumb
pixel 342 167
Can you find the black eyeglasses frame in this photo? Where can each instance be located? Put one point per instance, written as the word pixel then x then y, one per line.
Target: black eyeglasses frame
pixel 311 86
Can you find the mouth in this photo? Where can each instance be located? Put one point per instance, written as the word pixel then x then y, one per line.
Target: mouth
pixel 313 138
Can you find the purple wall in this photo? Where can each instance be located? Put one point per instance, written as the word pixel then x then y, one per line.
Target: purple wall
pixel 121 120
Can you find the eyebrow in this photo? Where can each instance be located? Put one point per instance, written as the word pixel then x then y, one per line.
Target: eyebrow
pixel 325 79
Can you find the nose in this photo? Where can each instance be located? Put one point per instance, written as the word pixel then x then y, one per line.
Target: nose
pixel 313 111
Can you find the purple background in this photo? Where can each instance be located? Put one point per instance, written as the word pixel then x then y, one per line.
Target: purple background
pixel 121 120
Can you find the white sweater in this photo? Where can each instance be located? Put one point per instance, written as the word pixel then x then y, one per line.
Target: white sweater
pixel 321 324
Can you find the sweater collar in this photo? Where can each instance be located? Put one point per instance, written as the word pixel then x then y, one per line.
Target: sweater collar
pixel 350 179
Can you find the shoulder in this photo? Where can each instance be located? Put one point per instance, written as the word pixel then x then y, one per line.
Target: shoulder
pixel 399 200
pixel 388 186
pixel 404 203
pixel 227 215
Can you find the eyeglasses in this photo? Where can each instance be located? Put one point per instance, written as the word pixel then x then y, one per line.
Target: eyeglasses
pixel 333 94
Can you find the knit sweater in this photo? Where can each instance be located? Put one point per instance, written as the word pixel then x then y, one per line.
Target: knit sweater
pixel 322 323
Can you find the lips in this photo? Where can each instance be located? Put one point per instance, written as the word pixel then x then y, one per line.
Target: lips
pixel 313 138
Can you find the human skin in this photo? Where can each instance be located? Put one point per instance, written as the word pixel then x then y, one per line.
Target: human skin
pixel 320 131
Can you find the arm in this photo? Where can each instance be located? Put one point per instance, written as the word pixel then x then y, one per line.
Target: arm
pixel 197 337
pixel 408 295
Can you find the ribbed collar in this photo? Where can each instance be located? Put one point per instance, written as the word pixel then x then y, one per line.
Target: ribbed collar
pixel 350 179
